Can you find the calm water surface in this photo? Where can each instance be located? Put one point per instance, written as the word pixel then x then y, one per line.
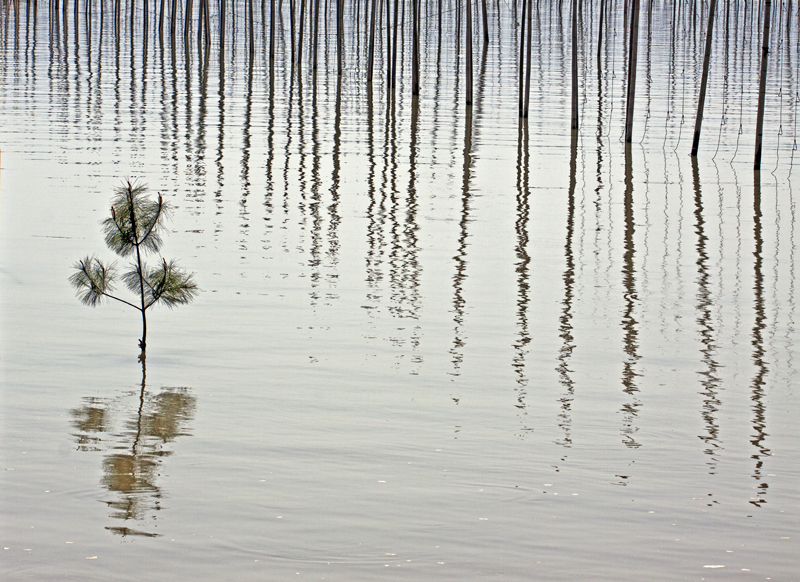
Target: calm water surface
pixel 431 344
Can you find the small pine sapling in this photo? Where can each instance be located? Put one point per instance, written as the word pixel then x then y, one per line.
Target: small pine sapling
pixel 133 230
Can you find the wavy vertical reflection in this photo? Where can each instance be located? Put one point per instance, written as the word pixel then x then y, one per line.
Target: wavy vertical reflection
pixel 630 326
pixel 460 258
pixel 758 384
pixel 522 268
pixel 709 377
pixel 134 452
pixel 565 319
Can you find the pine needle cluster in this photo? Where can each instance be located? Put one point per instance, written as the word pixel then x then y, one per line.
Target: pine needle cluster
pixel 133 230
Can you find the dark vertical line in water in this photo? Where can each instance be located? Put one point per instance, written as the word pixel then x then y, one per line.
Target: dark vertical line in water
pixel 709 379
pixel 200 155
pixel 373 262
pixel 599 136
pixel 221 117
pixel 460 276
pixel 246 147
pixel 630 410
pixel 522 268
pixel 565 320
pixel 269 190
pixel 759 379
pixel 333 208
pixel 411 266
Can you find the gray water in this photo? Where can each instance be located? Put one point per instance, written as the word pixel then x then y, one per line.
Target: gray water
pixel 431 343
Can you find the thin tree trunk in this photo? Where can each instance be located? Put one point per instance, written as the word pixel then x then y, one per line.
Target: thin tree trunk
pixel 525 8
pixel 704 83
pixel 187 25
pixel 291 28
pixel 394 43
pixel 415 16
pixel 600 32
pixel 575 64
pixel 634 42
pixel 316 35
pixel 762 85
pixel 528 61
pixel 300 39
pixel 469 52
pixel 173 25
pixel 485 23
pixel 272 24
pixel 250 31
pixel 373 18
pixel 340 35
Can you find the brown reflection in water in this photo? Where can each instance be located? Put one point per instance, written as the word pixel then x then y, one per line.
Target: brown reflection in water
pixel 709 380
pixel 376 208
pixel 246 147
pixel 759 379
pixel 565 320
pixel 333 208
pixel 630 341
pixel 409 279
pixel 133 454
pixel 460 276
pixel 522 268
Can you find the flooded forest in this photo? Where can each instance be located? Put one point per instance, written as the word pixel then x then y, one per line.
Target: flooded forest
pixel 483 288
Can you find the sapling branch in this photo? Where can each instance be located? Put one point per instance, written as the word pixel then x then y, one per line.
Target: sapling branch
pixel 134 229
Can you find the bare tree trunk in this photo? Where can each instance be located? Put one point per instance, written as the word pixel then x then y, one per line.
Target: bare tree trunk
pixel 373 18
pixel 340 35
pixel 300 39
pixel 272 24
pixel 600 32
pixel 528 61
pixel 415 17
pixel 250 30
pixel 634 40
pixel 575 64
pixel 187 25
pixel 485 23
pixel 525 8
pixel 469 52
pixel 704 83
pixel 394 44
pixel 316 35
pixel 173 25
pixel 762 85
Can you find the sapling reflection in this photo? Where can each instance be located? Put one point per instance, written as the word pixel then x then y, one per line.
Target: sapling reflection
pixel 133 230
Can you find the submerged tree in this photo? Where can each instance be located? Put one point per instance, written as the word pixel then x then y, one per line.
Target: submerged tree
pixel 133 230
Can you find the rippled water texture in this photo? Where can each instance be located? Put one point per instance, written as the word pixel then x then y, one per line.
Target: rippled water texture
pixel 432 342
